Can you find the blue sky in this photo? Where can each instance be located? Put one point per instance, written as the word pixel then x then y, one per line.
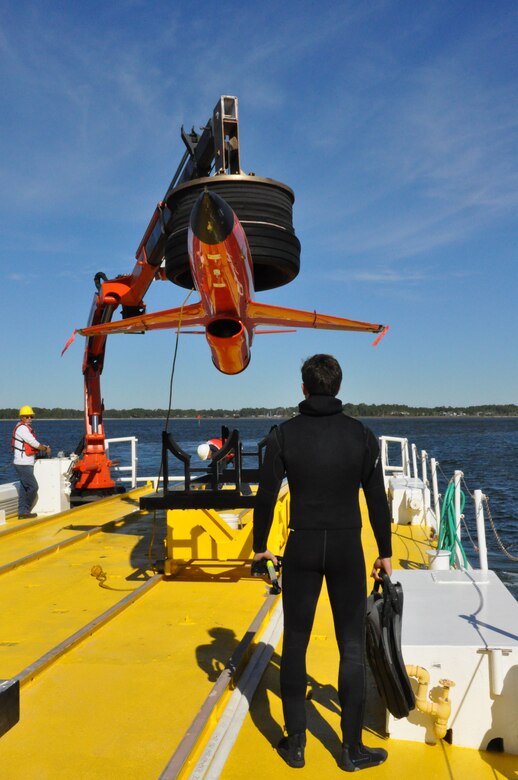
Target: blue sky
pixel 395 123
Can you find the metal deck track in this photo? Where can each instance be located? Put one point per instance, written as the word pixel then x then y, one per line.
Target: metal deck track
pixel 114 661
pixel 407 760
pixel 124 674
pixel 45 574
pixel 24 542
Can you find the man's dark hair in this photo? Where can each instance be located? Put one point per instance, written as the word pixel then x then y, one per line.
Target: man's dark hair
pixel 322 375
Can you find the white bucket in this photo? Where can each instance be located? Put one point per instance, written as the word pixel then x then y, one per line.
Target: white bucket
pixel 231 519
pixel 439 560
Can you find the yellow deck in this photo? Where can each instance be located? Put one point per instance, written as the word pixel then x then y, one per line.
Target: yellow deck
pixel 115 700
pixel 262 729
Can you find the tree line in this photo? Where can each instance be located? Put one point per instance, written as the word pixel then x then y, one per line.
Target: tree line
pixel 354 410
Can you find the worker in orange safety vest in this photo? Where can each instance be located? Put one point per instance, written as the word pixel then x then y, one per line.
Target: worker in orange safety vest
pixel 25 447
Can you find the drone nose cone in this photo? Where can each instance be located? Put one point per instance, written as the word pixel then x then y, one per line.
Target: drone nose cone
pixel 212 219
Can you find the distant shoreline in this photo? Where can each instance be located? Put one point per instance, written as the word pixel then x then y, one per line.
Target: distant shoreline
pixel 359 410
pixel 285 417
pixel 381 411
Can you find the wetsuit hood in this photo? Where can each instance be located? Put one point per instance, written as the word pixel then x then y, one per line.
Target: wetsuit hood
pixel 321 405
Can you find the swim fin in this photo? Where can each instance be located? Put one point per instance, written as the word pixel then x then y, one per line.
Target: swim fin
pixel 384 615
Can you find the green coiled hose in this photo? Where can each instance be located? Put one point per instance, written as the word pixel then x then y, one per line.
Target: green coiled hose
pixel 448 538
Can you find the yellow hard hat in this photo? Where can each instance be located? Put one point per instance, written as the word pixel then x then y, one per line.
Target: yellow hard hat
pixel 26 411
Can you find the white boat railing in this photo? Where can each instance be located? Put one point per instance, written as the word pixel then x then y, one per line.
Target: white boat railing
pixel 414 459
pixel 435 489
pixel 132 468
pixel 393 469
pixel 481 529
pixel 457 476
pixel 407 467
pixel 133 479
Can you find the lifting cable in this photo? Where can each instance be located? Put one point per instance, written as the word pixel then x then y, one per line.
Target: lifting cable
pixel 169 407
pixel 177 341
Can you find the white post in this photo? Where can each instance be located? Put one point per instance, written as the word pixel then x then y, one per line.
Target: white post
pixel 414 460
pixel 383 452
pixel 457 476
pixel 133 461
pixel 481 530
pixel 426 491
pixel 424 468
pixel 496 671
pixel 435 488
pixel 405 460
pixel 384 461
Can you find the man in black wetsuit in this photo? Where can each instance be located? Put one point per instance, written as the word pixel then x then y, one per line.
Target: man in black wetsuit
pixel 326 457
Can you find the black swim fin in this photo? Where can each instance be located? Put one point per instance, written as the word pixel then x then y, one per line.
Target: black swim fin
pixel 384 615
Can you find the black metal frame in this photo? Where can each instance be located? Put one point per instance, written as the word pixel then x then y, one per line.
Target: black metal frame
pixel 217 146
pixel 212 487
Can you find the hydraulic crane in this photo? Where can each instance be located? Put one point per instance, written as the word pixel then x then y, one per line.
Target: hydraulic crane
pixel 214 151
pixel 228 235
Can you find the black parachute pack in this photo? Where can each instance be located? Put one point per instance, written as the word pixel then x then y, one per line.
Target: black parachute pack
pixel 384 616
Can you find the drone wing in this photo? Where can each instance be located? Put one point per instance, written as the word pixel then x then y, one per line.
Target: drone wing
pixel 265 314
pixel 181 317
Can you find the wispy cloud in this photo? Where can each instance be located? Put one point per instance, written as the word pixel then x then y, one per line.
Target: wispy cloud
pixel 25 279
pixel 80 112
pixel 414 158
pixel 396 276
pixel 383 276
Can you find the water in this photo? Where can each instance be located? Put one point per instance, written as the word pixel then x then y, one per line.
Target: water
pixel 485 449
